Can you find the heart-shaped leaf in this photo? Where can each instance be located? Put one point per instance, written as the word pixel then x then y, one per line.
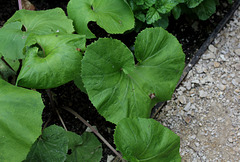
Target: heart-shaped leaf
pixel 51 60
pixel 84 148
pixel 51 146
pixel 115 16
pixel 20 121
pixel 14 33
pixel 118 88
pixel 147 140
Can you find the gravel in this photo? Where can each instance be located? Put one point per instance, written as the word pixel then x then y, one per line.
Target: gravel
pixel 205 109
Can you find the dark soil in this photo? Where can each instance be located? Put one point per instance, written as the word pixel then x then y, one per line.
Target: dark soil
pixel 191 34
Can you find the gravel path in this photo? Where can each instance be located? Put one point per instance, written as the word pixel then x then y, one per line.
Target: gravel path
pixel 205 110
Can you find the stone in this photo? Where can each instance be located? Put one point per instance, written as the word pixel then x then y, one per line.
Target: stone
pixel 221 87
pixel 182 99
pixel 237 66
pixel 203 94
pixel 187 119
pixel 110 158
pixel 216 64
pixel 212 49
pixel 234 82
pixel 237 52
pixel 208 56
pixel 187 107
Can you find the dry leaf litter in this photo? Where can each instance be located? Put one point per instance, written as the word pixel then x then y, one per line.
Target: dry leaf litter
pixel 205 109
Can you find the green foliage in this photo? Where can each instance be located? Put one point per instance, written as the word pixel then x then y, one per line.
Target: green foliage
pixel 86 149
pixel 51 60
pixel 20 121
pixel 52 55
pixel 55 143
pixel 15 31
pixel 153 11
pixel 51 146
pixel 156 12
pixel 147 140
pixel 115 16
pixel 118 88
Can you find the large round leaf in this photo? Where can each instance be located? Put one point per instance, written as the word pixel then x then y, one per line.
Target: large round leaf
pixel 51 60
pixel 14 33
pixel 118 88
pixel 115 16
pixel 147 140
pixel 20 121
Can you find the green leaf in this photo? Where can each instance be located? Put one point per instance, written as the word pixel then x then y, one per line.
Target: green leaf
pixel 43 22
pixel 147 140
pixel 5 71
pixel 152 15
pixel 149 3
pixel 12 40
pixel 165 6
pixel 51 60
pixel 163 22
pixel 118 88
pixel 176 11
pixel 205 9
pixel 115 17
pixel 140 16
pixel 20 121
pixel 87 148
pixel 39 22
pixel 194 3
pixel 51 146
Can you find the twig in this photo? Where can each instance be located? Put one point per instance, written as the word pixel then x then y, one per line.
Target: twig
pixel 94 131
pixel 20 4
pixel 54 107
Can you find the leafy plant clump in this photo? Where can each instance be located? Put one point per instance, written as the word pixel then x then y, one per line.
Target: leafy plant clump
pixel 156 13
pixel 39 51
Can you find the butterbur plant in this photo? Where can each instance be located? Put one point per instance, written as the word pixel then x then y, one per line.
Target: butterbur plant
pixel 39 51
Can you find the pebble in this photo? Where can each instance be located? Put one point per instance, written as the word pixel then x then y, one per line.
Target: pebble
pixel 208 56
pixel 216 64
pixel 212 49
pixel 187 107
pixel 237 52
pixel 221 87
pixel 203 94
pixel 182 99
pixel 237 66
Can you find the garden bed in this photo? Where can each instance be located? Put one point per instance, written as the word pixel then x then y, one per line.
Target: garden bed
pixel 190 32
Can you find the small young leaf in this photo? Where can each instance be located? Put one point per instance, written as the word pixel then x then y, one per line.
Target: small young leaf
pixel 51 146
pixel 20 121
pixel 88 148
pixel 115 16
pixel 51 60
pixel 165 6
pixel 176 11
pixel 152 15
pixel 205 9
pixel 193 3
pixel 118 88
pixel 147 140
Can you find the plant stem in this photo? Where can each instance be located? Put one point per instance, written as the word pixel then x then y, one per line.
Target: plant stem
pixel 94 131
pixel 54 107
pixel 20 4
